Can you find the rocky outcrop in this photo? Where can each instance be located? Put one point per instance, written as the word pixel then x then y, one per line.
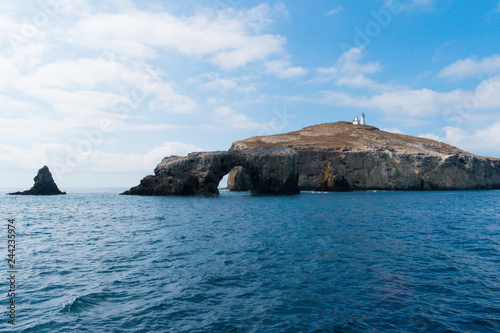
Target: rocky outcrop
pixel 239 180
pixel 330 180
pixel 389 170
pixel 272 170
pixel 342 156
pixel 44 184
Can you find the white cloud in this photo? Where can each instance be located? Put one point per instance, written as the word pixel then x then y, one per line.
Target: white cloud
pixel 12 107
pixel 260 17
pixel 414 103
pixel 229 38
pixel 50 89
pixel 400 100
pixel 409 5
pixel 110 162
pixel 80 104
pixel 227 116
pixel 155 156
pixel 53 93
pixel 410 103
pixel 392 130
pixel 15 158
pixel 168 100
pixel 65 159
pixel 222 84
pixel 335 10
pixel 431 136
pixel 349 72
pixel 348 63
pixel 471 67
pixel 8 27
pixel 358 81
pixel 283 69
pixel 8 73
pixel 85 73
pixel 149 127
pixel 478 141
pixel 77 94
pixel 218 82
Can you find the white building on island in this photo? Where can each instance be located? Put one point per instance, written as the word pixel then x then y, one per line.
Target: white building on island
pixel 356 121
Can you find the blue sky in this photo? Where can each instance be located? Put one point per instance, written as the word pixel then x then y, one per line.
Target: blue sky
pixel 100 91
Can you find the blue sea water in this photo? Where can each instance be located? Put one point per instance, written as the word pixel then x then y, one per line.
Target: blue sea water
pixel 94 261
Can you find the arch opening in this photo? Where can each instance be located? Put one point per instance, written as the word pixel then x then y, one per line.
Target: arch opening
pixel 236 180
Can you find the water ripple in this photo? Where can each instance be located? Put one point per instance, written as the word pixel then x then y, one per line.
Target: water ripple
pixel 318 262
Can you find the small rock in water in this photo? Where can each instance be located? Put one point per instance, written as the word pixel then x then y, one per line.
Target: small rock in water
pixel 44 184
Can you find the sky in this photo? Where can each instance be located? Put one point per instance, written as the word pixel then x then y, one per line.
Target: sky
pixel 101 91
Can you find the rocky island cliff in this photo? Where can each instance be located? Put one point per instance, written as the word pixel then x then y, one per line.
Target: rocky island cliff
pixel 271 170
pixel 341 156
pixel 44 184
pixel 337 156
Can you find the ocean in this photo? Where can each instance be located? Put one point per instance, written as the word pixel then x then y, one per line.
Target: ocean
pixel 374 261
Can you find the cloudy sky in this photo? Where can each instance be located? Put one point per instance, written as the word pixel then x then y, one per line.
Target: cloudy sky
pixel 100 91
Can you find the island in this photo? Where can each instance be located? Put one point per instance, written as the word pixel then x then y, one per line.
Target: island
pixel 340 156
pixel 44 184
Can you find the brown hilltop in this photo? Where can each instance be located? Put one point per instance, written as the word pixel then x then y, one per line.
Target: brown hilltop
pixel 345 136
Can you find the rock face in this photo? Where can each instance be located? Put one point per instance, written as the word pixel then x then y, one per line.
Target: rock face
pixel 272 170
pixel 44 184
pixel 342 156
pixel 239 180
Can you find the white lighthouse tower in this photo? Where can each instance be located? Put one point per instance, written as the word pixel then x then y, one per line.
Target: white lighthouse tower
pixel 362 122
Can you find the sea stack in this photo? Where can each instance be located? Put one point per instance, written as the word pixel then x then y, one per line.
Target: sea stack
pixel 44 184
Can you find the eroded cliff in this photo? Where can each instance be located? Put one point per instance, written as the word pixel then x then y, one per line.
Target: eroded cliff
pixel 341 156
pixel 272 170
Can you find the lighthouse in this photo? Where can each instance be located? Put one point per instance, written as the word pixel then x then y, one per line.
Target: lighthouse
pixel 359 121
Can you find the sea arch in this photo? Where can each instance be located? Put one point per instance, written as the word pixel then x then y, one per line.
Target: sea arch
pixel 272 170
